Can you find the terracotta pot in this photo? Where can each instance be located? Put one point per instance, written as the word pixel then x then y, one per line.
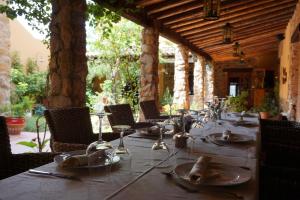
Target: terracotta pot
pixel 15 125
pixel 264 115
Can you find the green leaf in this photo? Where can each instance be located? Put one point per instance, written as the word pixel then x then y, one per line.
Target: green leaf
pixel 28 144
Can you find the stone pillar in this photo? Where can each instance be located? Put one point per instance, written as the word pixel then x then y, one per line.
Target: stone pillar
pixel 68 62
pixel 149 64
pixel 199 70
pixel 208 83
pixel 293 81
pixel 5 62
pixel 181 83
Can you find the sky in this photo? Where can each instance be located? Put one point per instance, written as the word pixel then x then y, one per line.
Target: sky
pixel 34 33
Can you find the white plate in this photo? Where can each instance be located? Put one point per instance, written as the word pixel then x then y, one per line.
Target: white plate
pixel 244 123
pixel 60 158
pixel 227 175
pixel 145 132
pixel 234 138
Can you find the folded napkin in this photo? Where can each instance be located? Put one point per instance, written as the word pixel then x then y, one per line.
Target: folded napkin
pixel 74 161
pixel 83 160
pixel 226 135
pixel 153 130
pixel 199 171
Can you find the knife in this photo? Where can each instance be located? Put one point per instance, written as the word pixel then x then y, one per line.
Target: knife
pixel 38 172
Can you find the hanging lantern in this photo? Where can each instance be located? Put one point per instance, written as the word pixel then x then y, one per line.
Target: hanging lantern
pixel 242 57
pixel 227 33
pixel 236 49
pixel 211 9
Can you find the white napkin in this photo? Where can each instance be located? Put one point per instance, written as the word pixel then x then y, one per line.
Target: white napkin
pixel 74 161
pixel 199 170
pixel 83 160
pixel 153 130
pixel 226 135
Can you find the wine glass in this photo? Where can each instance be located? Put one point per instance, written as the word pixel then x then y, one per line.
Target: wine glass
pixel 121 150
pixel 160 150
pixel 100 144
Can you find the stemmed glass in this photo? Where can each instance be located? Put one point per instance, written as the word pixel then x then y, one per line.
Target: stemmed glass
pixel 160 144
pixel 121 149
pixel 100 144
pixel 160 150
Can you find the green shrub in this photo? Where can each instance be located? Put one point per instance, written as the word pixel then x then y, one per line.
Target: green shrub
pixel 238 103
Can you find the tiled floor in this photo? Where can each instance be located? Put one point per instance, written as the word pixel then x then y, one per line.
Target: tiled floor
pixel 25 136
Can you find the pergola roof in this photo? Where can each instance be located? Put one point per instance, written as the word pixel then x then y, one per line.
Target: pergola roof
pixel 256 24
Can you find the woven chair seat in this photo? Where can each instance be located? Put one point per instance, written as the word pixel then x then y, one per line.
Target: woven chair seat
pixel 12 164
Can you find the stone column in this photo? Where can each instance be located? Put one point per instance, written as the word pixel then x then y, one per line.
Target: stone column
pixel 68 62
pixel 293 81
pixel 149 64
pixel 5 62
pixel 181 83
pixel 199 70
pixel 208 83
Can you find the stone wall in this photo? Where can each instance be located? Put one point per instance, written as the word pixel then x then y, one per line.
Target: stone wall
pixel 209 82
pixel 68 62
pixel 181 83
pixel 5 61
pixel 199 71
pixel 149 65
pixel 289 67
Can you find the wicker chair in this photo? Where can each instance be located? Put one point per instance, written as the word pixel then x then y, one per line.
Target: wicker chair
pixel 279 183
pixel 150 110
pixel 281 132
pixel 122 114
pixel 71 129
pixel 280 160
pixel 11 164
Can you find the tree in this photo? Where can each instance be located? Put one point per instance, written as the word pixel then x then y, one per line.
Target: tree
pixel 38 14
pixel 118 61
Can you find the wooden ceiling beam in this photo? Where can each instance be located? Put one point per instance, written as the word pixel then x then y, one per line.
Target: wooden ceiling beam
pixel 245 30
pixel 142 19
pixel 249 14
pixel 244 47
pixel 145 3
pixel 243 44
pixel 239 27
pixel 259 35
pixel 231 13
pixel 199 12
pixel 252 20
pixel 159 7
pixel 176 11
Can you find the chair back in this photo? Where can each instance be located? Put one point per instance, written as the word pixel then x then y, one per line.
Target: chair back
pixel 70 125
pixel 150 110
pixel 5 149
pixel 121 114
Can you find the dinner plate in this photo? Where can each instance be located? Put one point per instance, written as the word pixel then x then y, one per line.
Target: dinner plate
pixel 250 115
pixel 234 138
pixel 224 175
pixel 244 123
pixel 146 132
pixel 58 159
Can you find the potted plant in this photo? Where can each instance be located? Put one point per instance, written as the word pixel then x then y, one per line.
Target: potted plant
pixel 15 114
pixel 269 107
pixel 238 103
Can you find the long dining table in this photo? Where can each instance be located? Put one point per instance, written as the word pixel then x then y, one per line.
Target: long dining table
pixel 142 178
